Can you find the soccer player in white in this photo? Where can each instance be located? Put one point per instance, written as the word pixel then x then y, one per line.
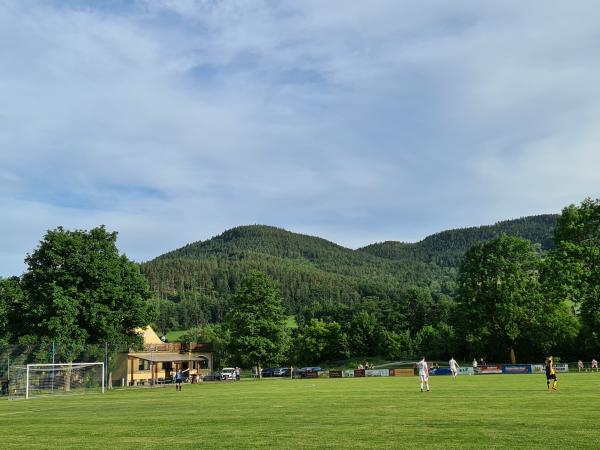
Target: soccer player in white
pixel 453 367
pixel 423 373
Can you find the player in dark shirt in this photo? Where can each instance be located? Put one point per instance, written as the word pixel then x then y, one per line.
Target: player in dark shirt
pixel 550 373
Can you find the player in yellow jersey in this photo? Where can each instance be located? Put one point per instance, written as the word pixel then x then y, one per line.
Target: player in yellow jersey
pixel 550 373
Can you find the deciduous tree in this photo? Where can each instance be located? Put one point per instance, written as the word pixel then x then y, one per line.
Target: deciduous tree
pixel 259 334
pixel 78 289
pixel 321 341
pixel 501 300
pixel 574 266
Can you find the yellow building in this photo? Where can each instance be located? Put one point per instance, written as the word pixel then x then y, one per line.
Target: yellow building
pixel 159 361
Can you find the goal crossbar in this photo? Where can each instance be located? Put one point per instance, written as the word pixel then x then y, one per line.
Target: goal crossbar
pixel 64 364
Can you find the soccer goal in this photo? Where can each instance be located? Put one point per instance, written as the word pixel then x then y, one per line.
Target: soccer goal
pixel 37 380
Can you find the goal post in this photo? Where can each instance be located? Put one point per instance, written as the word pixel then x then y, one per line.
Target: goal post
pixel 37 380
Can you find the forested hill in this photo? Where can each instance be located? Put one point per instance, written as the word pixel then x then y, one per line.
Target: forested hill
pixel 306 266
pixel 312 270
pixel 260 244
pixel 448 247
pixel 263 239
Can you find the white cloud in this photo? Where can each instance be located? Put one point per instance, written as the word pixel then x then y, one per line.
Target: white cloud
pixel 170 121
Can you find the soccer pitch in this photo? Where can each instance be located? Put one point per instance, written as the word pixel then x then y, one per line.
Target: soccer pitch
pixel 473 411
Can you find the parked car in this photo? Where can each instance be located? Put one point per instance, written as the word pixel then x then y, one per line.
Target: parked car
pixel 228 373
pixel 267 372
pixel 281 372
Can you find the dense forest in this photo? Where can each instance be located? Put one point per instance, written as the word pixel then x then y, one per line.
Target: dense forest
pixel 512 291
pixel 447 248
pixel 392 287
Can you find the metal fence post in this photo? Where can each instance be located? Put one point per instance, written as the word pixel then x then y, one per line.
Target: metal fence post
pixel 105 368
pixel 53 353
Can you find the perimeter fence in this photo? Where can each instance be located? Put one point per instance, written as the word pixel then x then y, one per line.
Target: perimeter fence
pixel 53 353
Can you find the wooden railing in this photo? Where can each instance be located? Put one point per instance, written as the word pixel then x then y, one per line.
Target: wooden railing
pixel 179 347
pixel 196 347
pixel 170 347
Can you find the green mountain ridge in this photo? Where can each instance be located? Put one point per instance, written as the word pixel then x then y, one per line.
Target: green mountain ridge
pixel 446 248
pixel 262 239
pixel 312 270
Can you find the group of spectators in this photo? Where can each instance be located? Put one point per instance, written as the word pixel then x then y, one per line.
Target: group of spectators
pixel 480 363
pixel 593 365
pixel 367 365
pixel 580 364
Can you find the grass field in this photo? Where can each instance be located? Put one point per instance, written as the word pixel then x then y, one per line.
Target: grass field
pixel 172 336
pixel 473 411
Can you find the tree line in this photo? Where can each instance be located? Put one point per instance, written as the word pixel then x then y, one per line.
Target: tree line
pixel 514 301
pixel 509 298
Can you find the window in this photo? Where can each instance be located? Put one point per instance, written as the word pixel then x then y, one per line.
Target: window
pixel 202 363
pixel 144 365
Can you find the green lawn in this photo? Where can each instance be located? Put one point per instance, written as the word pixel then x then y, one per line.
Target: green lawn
pixel 503 411
pixel 172 336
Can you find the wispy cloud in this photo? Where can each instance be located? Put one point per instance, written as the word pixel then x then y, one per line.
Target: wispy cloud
pixel 170 121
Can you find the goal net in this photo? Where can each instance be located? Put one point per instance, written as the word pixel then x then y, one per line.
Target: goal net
pixel 37 380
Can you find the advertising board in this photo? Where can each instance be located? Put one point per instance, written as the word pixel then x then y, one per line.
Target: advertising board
pixel 516 368
pixel 359 373
pixel 377 372
pixel 541 368
pixel 561 367
pixel 402 372
pixel 335 374
pixel 538 368
pixel 489 369
pixel 309 374
pixel 440 371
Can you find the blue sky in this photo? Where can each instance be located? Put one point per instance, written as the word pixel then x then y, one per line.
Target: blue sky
pixel 171 121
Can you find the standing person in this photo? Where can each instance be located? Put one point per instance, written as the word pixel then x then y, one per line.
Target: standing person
pixel 423 373
pixel 594 364
pixel 550 373
pixel 453 367
pixel 178 380
pixel 580 365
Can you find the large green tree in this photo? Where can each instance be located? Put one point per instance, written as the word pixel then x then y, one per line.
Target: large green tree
pixel 79 289
pixel 365 334
pixel 4 336
pixel 437 342
pixel 11 301
pixel 501 300
pixel 322 341
pixel 259 333
pixel 574 266
pixel 4 305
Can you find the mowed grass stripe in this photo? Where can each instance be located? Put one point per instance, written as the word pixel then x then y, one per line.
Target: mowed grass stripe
pixel 472 411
